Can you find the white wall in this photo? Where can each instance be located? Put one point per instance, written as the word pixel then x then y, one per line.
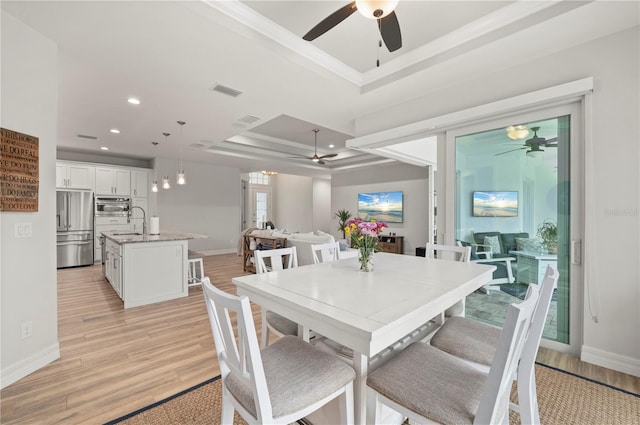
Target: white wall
pixel 322 205
pixel 411 180
pixel 293 203
pixel 208 204
pixel 614 248
pixel 28 270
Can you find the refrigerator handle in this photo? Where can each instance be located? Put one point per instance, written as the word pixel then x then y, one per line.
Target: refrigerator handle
pixel 68 195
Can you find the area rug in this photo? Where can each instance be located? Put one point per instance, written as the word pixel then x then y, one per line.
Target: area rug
pixel 563 398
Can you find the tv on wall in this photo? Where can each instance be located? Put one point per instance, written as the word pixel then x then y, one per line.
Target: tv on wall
pixel 495 204
pixel 381 206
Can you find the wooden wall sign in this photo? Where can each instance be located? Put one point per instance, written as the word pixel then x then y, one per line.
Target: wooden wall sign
pixel 19 171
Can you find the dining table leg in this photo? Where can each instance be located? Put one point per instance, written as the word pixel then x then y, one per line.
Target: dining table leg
pixel 360 364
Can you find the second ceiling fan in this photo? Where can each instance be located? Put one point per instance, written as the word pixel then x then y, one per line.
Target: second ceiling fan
pixel 381 11
pixel 318 159
pixel 535 144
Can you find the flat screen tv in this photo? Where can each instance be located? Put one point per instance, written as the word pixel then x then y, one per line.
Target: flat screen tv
pixel 381 206
pixel 495 204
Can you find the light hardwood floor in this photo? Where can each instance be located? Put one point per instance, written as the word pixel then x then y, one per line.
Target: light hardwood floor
pixel 114 361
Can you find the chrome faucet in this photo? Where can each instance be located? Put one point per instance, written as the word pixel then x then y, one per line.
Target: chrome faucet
pixel 144 218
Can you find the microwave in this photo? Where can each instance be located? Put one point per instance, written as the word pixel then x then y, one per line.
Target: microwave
pixel 112 206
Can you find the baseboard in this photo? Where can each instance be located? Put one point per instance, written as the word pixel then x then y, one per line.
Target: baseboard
pixel 219 251
pixel 609 360
pixel 29 365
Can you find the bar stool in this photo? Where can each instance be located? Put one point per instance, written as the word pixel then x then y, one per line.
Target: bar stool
pixel 195 262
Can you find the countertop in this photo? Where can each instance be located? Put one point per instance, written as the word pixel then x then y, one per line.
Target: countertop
pixel 131 237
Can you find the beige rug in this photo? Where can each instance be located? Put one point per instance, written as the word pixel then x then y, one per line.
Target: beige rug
pixel 562 397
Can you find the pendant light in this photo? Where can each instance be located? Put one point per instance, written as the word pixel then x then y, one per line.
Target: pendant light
pixel 165 179
pixel 154 185
pixel 181 177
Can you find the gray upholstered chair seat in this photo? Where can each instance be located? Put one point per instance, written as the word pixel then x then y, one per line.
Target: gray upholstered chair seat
pixel 298 375
pixel 431 383
pixel 282 324
pixel 468 339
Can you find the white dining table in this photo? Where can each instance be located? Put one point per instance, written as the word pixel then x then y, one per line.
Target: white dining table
pixel 365 311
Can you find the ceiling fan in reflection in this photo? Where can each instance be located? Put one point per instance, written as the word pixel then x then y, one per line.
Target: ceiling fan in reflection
pixel 318 159
pixel 535 144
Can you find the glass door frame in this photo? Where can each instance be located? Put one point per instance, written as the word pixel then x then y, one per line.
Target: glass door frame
pixel 447 193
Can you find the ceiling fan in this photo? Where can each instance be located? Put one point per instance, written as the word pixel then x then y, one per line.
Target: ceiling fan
pixel 534 144
pixel 316 158
pixel 380 10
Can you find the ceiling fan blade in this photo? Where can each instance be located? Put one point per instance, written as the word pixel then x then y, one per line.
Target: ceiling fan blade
pixel 320 162
pixel 331 21
pixel 390 31
pixel 329 155
pixel 512 150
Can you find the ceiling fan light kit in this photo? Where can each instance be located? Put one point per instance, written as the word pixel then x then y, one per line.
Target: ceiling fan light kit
pixel 376 9
pixel 517 132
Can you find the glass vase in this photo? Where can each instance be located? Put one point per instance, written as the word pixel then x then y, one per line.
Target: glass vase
pixel 366 260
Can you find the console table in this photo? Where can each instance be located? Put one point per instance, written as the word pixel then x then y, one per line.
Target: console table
pixel 532 265
pixel 265 242
pixel 392 244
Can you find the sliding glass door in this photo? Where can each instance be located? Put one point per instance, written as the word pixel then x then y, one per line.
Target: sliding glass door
pixel 512 191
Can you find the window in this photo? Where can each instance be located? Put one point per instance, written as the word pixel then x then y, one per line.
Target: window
pixel 258 178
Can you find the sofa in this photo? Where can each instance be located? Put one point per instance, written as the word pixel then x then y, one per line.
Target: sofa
pixel 303 242
pixel 506 242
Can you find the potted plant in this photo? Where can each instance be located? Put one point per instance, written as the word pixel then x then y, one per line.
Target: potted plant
pixel 548 232
pixel 343 217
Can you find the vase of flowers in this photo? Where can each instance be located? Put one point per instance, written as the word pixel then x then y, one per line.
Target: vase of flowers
pixel 364 236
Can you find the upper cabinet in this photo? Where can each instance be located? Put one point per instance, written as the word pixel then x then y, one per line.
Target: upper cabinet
pixel 113 181
pixel 140 184
pixel 75 176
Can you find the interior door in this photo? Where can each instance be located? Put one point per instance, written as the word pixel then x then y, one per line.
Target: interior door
pixel 469 163
pixel 261 208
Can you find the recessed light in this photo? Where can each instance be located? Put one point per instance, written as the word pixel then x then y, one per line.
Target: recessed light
pixel 115 131
pixel 104 148
pixel 332 146
pixel 133 101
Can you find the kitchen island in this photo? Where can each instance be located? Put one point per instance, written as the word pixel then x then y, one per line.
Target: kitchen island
pixel 145 269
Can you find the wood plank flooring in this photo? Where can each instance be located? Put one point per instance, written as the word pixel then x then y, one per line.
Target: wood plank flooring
pixel 114 361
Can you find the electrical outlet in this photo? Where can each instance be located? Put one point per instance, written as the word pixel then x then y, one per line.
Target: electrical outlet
pixel 27 330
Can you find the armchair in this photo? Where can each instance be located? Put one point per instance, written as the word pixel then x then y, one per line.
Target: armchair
pixel 504 265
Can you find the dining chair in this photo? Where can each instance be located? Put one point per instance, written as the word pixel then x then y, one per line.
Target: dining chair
pixel 325 252
pixel 429 385
pixel 282 383
pixel 475 343
pixel 279 259
pixel 450 252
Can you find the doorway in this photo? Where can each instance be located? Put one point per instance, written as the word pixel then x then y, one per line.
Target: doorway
pixel 499 191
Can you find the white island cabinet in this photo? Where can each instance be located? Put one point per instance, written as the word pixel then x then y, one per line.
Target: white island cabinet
pixel 145 269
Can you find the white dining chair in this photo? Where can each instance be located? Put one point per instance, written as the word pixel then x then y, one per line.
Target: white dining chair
pixel 455 253
pixel 278 259
pixel 475 343
pixel 428 385
pixel 325 252
pixel 279 385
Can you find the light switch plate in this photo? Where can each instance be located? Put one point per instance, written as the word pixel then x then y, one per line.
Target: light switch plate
pixel 23 230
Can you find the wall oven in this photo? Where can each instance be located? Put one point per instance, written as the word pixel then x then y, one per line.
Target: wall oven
pixel 112 206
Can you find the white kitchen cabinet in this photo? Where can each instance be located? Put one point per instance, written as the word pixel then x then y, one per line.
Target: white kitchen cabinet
pixel 108 224
pixel 140 184
pixel 113 266
pixel 136 214
pixel 75 176
pixel 113 181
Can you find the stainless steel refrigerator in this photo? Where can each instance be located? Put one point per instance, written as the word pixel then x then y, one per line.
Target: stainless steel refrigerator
pixel 74 215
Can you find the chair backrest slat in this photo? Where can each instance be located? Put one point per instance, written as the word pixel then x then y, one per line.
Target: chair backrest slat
pixel 238 353
pixel 494 402
pixel 279 259
pixel 327 252
pixel 462 253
